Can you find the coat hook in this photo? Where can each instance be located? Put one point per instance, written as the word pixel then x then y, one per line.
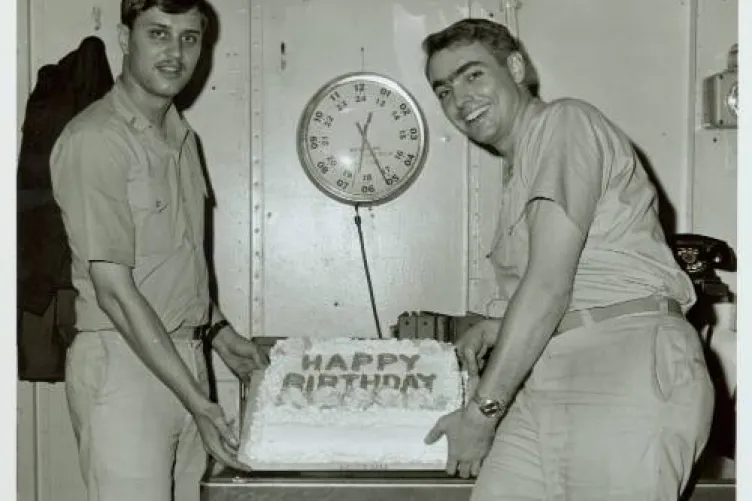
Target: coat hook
pixel 96 14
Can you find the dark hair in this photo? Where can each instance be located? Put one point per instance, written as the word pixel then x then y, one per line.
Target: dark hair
pixel 131 9
pixel 494 36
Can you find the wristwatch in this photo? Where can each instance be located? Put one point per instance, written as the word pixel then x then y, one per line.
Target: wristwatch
pixel 489 407
pixel 212 331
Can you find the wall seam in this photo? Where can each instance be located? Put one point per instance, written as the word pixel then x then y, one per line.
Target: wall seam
pixel 688 224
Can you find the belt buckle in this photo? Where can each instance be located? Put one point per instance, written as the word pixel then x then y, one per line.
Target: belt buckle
pixel 198 333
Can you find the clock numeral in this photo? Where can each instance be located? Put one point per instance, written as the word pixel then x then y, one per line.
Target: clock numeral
pixel 315 142
pixel 383 96
pixel 405 158
pixel 369 188
pixel 347 174
pixel 392 179
pixel 325 120
pixel 360 89
pixel 411 134
pixel 341 104
pixel 367 178
pixel 322 167
pixel 331 161
pixel 342 183
pixel 403 111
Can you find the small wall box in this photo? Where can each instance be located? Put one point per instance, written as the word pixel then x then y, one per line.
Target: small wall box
pixel 721 96
pixel 720 93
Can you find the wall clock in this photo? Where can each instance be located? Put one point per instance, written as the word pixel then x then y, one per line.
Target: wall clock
pixel 362 139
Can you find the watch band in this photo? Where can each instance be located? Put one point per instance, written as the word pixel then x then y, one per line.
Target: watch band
pixel 212 331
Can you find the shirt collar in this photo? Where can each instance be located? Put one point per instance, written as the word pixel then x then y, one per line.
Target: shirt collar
pixel 176 125
pixel 529 114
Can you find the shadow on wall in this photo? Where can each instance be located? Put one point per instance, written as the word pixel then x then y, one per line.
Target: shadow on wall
pixel 195 87
pixel 666 211
pixel 185 100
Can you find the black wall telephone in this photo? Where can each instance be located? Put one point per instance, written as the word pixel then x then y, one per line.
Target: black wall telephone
pixel 700 256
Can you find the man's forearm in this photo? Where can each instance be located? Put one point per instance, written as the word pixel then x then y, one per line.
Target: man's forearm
pixel 530 319
pixel 143 331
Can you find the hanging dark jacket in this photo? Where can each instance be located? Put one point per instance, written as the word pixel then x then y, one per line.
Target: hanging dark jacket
pixel 62 91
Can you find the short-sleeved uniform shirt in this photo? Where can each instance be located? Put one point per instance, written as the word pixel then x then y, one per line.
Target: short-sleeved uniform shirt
pixel 569 153
pixel 135 196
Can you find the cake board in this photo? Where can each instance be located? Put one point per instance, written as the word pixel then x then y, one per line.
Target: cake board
pixel 246 416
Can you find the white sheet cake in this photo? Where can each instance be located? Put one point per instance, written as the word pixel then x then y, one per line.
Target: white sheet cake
pixel 351 404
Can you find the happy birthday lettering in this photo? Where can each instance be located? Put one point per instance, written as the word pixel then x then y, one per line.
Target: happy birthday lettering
pixel 309 383
pixel 362 369
pixel 359 360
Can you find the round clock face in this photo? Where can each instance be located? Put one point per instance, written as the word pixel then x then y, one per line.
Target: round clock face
pixel 362 139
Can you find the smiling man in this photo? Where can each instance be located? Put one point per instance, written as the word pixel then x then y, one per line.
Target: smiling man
pixel 127 177
pixel 596 387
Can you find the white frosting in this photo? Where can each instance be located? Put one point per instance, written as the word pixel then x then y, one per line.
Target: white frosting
pixel 358 402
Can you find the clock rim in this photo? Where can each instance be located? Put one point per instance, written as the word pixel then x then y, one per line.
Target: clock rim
pixel 305 117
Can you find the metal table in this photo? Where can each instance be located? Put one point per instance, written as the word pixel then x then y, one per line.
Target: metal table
pixel 364 485
pixel 375 486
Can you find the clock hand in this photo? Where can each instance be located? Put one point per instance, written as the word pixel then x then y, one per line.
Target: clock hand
pixel 375 158
pixel 362 142
pixel 368 122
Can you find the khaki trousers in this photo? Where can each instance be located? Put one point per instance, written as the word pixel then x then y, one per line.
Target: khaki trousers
pixel 615 411
pixel 136 441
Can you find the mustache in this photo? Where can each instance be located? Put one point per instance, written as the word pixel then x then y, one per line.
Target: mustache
pixel 173 63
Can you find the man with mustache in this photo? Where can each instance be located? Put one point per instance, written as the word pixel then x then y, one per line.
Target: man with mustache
pixel 127 176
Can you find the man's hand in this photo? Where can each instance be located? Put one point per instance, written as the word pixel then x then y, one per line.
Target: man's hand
pixel 474 344
pixel 241 355
pixel 469 434
pixel 219 439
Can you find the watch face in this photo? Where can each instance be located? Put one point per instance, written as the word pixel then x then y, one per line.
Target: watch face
pixel 362 139
pixel 489 407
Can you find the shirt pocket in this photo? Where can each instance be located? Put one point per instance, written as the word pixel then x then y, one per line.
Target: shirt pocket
pixel 87 370
pixel 152 206
pixel 509 255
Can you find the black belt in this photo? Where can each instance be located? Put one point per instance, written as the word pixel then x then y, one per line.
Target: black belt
pixel 581 318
